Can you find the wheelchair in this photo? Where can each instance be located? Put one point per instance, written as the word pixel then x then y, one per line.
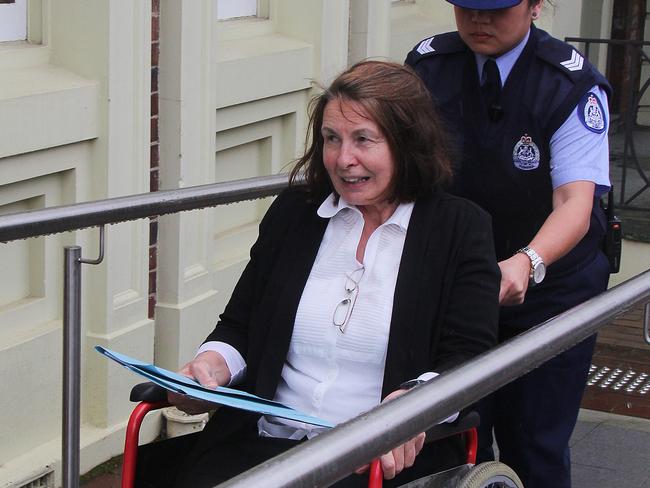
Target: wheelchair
pixel 469 475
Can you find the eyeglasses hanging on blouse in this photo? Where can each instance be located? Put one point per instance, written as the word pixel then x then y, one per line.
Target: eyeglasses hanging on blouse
pixel 344 308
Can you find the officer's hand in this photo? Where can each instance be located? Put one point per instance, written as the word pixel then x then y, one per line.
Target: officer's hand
pixel 403 456
pixel 515 272
pixel 208 368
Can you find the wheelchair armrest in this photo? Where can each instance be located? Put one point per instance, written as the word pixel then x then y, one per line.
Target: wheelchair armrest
pixel 148 392
pixel 150 397
pixel 465 421
pixel 465 424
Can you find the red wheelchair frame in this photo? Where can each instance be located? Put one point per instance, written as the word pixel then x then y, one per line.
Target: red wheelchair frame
pixel 155 399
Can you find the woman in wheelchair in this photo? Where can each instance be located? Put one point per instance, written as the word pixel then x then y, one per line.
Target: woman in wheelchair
pixel 368 276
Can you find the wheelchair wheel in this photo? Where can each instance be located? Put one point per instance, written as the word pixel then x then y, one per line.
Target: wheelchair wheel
pixel 490 475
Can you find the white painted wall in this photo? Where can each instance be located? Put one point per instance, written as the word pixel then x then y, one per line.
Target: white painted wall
pixel 635 259
pixel 74 126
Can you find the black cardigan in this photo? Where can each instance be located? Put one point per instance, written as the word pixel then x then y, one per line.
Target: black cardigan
pixel 445 307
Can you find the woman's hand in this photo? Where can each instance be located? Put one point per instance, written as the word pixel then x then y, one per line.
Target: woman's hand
pixel 403 456
pixel 561 231
pixel 515 273
pixel 208 368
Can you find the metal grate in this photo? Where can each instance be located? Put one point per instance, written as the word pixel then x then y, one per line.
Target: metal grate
pixel 628 381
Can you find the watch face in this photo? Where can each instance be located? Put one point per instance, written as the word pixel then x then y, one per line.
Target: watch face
pixel 539 272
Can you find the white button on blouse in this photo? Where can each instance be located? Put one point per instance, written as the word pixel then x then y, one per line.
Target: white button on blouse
pixel 328 373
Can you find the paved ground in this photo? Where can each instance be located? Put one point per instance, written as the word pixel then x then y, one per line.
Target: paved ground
pixel 619 380
pixel 610 451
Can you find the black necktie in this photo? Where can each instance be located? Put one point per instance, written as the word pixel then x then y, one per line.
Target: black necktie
pixel 491 89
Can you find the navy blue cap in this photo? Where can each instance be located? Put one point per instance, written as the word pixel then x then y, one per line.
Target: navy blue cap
pixel 485 4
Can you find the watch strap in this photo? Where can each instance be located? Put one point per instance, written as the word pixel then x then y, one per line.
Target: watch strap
pixel 532 255
pixel 535 261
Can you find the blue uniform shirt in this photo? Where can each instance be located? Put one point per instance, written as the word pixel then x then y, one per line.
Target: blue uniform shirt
pixel 577 152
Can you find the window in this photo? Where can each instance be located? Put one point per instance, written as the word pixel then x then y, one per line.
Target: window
pixel 13 20
pixel 231 9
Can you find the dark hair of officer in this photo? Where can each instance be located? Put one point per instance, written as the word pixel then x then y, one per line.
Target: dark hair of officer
pixel 400 104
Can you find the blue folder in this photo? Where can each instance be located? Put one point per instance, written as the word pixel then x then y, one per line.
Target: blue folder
pixel 222 395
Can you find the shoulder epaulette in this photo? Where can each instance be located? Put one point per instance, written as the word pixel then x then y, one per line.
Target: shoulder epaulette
pixel 449 42
pixel 561 55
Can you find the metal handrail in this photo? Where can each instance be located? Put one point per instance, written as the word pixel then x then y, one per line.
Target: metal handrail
pixel 99 213
pixel 335 454
pixel 114 210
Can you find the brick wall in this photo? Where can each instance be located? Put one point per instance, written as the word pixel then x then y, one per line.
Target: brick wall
pixel 154 174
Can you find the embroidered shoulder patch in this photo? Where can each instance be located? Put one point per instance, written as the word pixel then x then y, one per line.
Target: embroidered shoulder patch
pixel 591 113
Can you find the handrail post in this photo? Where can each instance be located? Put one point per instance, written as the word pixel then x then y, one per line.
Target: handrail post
pixel 71 365
pixel 646 323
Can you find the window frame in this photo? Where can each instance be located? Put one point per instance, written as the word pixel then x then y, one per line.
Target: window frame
pixel 16 11
pixel 262 11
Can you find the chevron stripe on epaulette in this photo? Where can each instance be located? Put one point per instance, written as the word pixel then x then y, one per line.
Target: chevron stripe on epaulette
pixel 439 44
pixel 575 63
pixel 560 54
pixel 425 46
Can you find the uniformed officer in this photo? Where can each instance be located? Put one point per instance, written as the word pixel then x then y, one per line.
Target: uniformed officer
pixel 528 116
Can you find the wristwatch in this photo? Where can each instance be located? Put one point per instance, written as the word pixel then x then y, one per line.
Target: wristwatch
pixel 537 266
pixel 407 385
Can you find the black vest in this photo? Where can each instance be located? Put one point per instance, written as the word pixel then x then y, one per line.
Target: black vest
pixel 503 164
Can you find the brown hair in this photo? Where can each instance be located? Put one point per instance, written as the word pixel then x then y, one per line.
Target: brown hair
pixel 399 103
